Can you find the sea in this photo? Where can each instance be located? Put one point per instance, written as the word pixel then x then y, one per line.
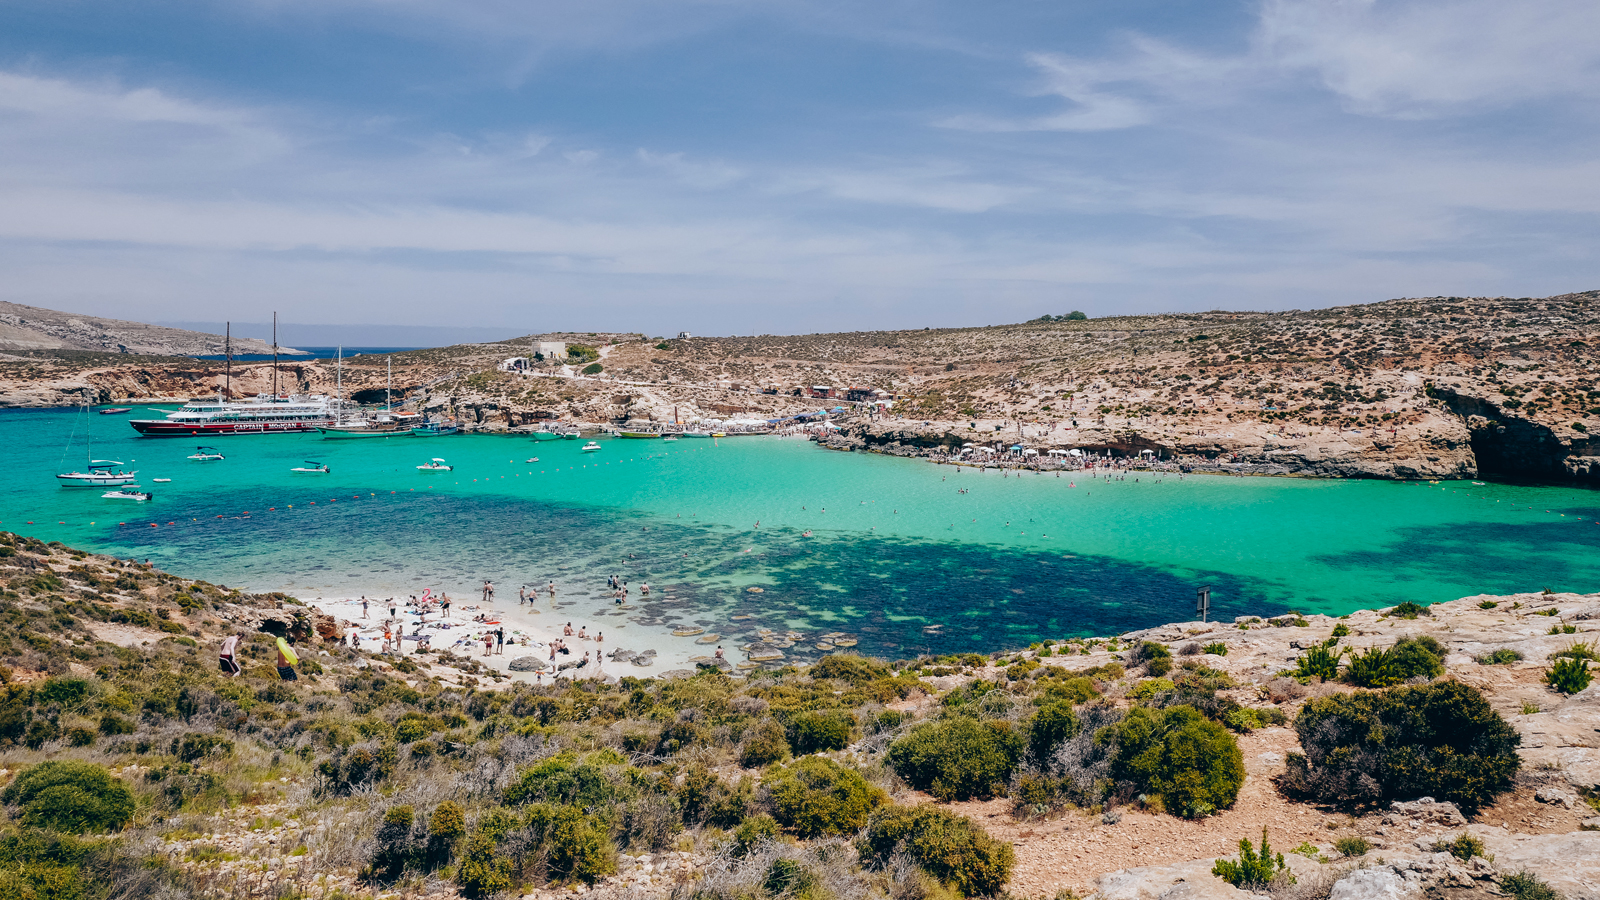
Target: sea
pixel 908 557
pixel 314 353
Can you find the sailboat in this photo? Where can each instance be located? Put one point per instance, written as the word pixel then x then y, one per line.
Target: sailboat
pixel 387 424
pixel 98 472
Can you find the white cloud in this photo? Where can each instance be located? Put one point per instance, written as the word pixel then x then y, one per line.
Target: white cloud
pixel 1434 58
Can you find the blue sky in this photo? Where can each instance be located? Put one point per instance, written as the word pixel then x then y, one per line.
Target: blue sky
pixel 736 166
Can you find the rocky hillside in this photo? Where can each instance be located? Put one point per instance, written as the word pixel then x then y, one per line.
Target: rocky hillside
pixel 1442 387
pixel 29 328
pixel 1441 752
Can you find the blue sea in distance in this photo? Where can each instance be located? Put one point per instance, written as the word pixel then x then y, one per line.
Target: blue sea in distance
pixel 314 353
pixel 895 546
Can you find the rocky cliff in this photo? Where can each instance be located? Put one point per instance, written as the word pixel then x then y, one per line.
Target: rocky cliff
pixel 30 328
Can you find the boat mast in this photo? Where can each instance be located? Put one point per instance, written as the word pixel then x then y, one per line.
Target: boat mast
pixel 388 383
pixel 338 388
pixel 274 356
pixel 227 338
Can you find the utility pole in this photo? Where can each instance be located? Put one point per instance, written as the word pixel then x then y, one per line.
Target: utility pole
pixel 227 352
pixel 274 356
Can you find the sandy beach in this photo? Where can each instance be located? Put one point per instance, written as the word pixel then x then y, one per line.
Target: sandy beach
pixel 530 629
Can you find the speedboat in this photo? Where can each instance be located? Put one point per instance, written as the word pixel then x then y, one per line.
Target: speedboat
pixel 162 480
pixel 697 434
pixel 312 468
pixel 113 410
pixel 206 454
pixel 546 435
pixel 131 492
pixel 591 447
pixel 571 434
pixel 437 465
pixel 533 459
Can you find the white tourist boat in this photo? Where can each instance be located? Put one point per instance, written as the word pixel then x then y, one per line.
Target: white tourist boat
pixel 131 492
pixel 312 467
pixel 206 454
pixel 591 447
pixel 437 465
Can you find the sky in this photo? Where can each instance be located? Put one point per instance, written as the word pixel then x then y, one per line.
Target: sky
pixel 789 166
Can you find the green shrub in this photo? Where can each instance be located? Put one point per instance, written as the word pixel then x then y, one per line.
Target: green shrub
pixel 446 827
pixel 1439 740
pixel 1052 724
pixel 1464 847
pixel 958 758
pixel 1352 845
pixel 753 831
pixel 1576 651
pixel 1502 657
pixel 68 692
pixel 814 732
pixel 394 847
pixel 1253 870
pixel 1150 687
pixel 1216 648
pixel 593 369
pixel 195 747
pixel 1568 676
pixel 1408 610
pixel 1075 690
pixel 578 847
pixel 856 670
pixel 1191 762
pixel 1526 886
pixel 1321 661
pixel 815 796
pixel 1156 658
pixel 1487 604
pixel 1371 669
pixel 787 877
pixel 563 779
pixel 764 745
pixel 1417 657
pixel 1341 630
pixel 71 797
pixel 949 847
pixel 483 871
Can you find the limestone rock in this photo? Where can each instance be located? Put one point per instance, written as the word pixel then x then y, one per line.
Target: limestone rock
pixel 1570 863
pixel 1557 796
pixel 1373 884
pixel 1425 809
pixel 1190 880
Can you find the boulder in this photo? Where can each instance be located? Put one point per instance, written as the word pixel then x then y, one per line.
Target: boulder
pixel 527 664
pixel 1570 862
pixel 1373 884
pixel 1556 796
pixel 1190 880
pixel 1425 809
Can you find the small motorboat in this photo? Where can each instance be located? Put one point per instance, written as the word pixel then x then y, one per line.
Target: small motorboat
pixel 533 459
pixel 670 437
pixel 206 454
pixel 312 467
pixel 696 434
pixel 437 465
pixel 547 435
pixel 162 480
pixel 591 447
pixel 435 429
pixel 114 410
pixel 131 492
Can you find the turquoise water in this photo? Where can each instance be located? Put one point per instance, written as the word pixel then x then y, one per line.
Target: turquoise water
pixel 895 546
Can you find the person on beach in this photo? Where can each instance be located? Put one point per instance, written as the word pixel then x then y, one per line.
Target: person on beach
pixel 445 605
pixel 285 664
pixel 229 657
pixel 388 638
pixel 567 631
pixel 719 651
pixel 644 589
pixel 552 590
pixel 363 606
pixel 553 650
pixel 488 642
pixel 599 638
pixel 522 595
pixel 391 607
pixel 499 641
pixel 583 634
